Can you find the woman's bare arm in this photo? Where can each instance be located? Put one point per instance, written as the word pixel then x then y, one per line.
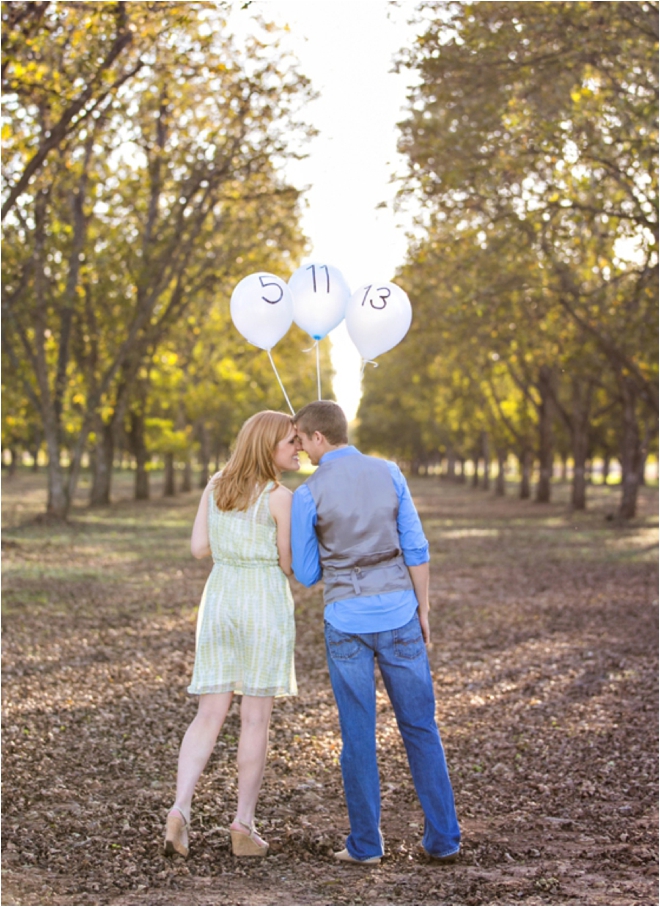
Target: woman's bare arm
pixel 280 509
pixel 199 541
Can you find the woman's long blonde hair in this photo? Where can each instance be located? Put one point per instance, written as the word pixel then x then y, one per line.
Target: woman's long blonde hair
pixel 251 463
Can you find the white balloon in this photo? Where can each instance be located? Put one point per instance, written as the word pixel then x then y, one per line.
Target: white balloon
pixel 320 296
pixel 378 316
pixel 262 309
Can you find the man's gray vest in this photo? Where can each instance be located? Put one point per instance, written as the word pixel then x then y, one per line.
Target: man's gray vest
pixel 357 506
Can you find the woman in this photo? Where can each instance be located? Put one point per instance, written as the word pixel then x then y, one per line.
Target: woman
pixel 245 628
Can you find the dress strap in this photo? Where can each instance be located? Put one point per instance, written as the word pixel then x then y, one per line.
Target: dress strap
pixel 262 501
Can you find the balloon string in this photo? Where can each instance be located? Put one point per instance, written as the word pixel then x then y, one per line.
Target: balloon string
pixel 318 365
pixel 280 382
pixel 366 362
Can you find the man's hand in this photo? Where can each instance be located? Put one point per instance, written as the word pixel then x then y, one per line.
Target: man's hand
pixel 420 579
pixel 424 623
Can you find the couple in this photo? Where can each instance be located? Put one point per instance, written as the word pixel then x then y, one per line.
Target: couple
pixel 352 523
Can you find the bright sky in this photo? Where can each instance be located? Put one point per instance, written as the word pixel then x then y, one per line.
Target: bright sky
pixel 346 49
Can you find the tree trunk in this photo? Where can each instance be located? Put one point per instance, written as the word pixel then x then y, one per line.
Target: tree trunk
pixel 461 475
pixel 485 453
pixel 141 455
pixel 204 454
pixel 579 489
pixel 451 464
pixel 500 480
pixel 58 498
pixel 546 413
pixel 606 468
pixel 649 431
pixel 113 437
pixel 579 425
pixel 630 450
pixel 142 489
pixel 186 479
pixel 169 489
pixel 564 467
pixel 13 460
pixel 475 474
pixel 525 461
pixel 103 456
pixel 642 468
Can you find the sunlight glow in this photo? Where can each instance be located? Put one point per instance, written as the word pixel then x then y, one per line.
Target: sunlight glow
pixel 347 50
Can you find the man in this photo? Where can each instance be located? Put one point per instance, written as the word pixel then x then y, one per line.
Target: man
pixel 355 525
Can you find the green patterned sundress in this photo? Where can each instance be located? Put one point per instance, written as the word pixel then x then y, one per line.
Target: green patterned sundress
pixel 245 624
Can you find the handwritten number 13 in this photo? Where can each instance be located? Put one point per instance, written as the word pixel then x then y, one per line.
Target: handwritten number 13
pixel 383 295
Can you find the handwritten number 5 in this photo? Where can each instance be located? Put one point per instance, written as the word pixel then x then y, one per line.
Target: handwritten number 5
pixel 271 283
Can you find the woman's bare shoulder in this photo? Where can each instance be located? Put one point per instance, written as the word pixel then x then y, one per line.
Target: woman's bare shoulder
pixel 281 491
pixel 280 495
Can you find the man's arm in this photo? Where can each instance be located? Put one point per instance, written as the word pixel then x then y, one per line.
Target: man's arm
pixel 412 540
pixel 414 546
pixel 304 544
pixel 420 575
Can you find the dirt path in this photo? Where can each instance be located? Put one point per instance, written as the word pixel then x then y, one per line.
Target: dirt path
pixel 545 665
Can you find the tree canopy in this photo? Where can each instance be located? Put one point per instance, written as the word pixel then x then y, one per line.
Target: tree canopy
pixel 531 139
pixel 143 164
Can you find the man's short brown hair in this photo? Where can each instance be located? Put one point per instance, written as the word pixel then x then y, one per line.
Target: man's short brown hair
pixel 326 417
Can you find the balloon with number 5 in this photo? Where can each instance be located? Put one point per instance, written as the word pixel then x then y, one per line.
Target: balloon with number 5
pixel 378 316
pixel 320 294
pixel 262 309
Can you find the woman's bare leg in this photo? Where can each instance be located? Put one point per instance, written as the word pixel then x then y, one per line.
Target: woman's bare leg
pixel 197 746
pixel 252 748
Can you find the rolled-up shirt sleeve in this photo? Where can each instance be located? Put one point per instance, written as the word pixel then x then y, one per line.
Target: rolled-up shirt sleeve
pixel 414 544
pixel 304 544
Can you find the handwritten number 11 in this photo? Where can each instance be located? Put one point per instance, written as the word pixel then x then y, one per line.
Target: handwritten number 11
pixel 312 268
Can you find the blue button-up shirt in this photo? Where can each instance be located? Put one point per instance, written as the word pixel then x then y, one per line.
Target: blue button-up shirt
pixel 364 613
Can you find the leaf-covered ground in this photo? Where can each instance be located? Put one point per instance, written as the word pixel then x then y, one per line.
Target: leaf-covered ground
pixel 545 666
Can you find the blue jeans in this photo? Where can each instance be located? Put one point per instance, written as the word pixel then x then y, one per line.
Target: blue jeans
pixel 404 666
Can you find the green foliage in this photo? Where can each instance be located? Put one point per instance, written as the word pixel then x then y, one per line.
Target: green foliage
pixel 163 190
pixel 532 146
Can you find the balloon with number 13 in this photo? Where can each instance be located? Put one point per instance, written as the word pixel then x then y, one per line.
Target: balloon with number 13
pixel 378 316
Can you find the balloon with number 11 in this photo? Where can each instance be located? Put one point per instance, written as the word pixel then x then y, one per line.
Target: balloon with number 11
pixel 320 295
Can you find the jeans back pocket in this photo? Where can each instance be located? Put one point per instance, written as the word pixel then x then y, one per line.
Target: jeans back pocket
pixel 341 646
pixel 408 640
